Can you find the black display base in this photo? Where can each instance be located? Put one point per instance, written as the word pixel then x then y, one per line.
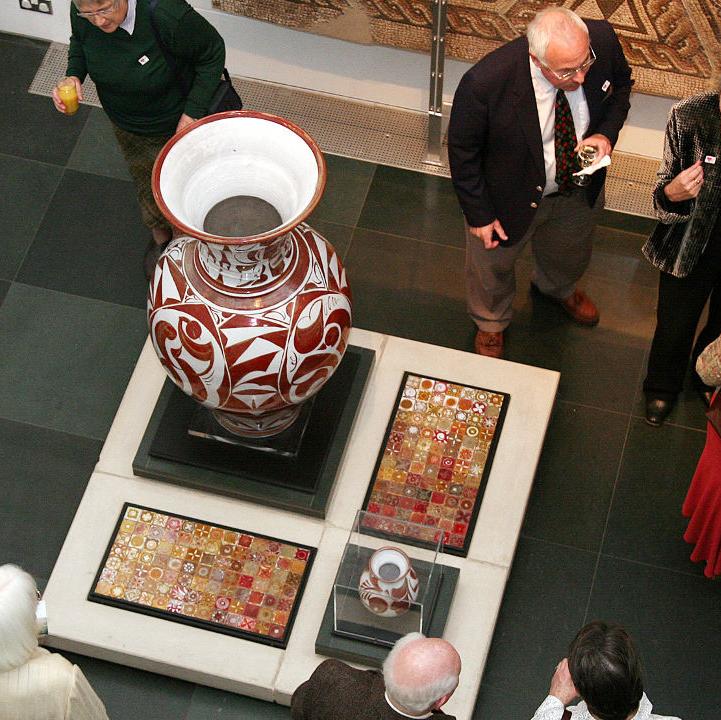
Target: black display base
pixel 329 644
pixel 301 483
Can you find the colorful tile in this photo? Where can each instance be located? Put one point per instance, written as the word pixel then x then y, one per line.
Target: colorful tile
pixel 209 576
pixel 437 454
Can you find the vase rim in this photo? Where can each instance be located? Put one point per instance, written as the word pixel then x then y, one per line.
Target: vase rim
pixel 248 239
pixel 396 550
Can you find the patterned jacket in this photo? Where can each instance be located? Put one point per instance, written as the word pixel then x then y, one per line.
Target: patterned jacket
pixel 693 133
pixel 708 365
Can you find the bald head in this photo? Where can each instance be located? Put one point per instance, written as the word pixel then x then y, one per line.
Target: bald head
pixel 421 673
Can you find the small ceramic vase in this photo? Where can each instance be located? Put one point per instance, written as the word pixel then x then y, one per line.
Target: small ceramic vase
pixel 389 583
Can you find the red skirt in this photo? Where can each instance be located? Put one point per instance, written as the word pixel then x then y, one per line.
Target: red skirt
pixel 703 506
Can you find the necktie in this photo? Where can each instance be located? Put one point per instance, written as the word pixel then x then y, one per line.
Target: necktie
pixel 565 142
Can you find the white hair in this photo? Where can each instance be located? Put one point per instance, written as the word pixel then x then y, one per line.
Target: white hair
pixel 18 626
pixel 540 31
pixel 86 3
pixel 416 698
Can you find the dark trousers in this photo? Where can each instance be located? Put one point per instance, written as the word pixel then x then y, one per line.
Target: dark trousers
pixel 680 304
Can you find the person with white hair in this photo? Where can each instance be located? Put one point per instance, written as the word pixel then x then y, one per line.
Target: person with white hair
pixel 34 683
pixel 419 676
pixel 520 115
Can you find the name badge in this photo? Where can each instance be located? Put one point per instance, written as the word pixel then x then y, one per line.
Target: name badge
pixel 606 85
pixel 143 60
pixel 710 159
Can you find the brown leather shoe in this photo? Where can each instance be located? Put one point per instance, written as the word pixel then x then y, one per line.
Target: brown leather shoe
pixel 489 344
pixel 578 305
pixel 581 308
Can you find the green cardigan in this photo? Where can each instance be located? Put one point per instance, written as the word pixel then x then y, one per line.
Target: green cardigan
pixel 139 95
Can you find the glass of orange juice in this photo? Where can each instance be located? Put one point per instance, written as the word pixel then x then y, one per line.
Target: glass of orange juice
pixel 69 95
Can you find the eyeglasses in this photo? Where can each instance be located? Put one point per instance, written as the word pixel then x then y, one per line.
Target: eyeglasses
pixel 104 12
pixel 567 74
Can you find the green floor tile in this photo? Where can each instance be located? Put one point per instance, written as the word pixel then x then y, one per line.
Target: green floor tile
pixel 31 185
pixel 97 151
pixel 65 361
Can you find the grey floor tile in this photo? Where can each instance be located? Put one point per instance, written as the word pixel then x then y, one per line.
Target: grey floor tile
pixel 131 694
pixel 30 126
pixel 65 361
pixel 594 371
pixel 581 457
pixel 415 205
pixel 499 704
pixel 627 311
pixel 91 242
pixel 97 151
pixel 676 621
pixel 43 474
pixel 339 236
pixel 408 288
pixel 346 190
pixel 645 523
pixel 542 609
pixel 4 287
pixel 26 188
pixel 209 704
pixel 617 257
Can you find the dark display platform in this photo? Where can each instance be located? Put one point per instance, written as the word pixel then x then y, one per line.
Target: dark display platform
pixel 299 483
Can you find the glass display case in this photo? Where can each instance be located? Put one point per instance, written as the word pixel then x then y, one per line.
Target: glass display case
pixel 384 589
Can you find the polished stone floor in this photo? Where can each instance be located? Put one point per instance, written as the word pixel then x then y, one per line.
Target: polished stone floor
pixel 602 536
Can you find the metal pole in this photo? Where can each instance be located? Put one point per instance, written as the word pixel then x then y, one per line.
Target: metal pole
pixel 435 102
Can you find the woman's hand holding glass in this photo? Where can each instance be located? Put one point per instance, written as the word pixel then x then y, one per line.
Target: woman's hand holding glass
pixel 67 94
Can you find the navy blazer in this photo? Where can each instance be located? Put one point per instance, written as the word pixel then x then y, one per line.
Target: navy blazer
pixel 494 137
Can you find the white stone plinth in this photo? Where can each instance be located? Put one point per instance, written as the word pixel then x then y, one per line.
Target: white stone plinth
pixel 258 670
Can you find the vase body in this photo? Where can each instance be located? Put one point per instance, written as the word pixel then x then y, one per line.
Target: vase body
pixel 251 327
pixel 389 584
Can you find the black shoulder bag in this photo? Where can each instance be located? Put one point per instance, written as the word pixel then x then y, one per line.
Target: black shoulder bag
pixel 224 98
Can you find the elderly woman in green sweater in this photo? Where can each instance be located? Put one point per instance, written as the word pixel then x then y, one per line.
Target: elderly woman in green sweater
pixel 113 42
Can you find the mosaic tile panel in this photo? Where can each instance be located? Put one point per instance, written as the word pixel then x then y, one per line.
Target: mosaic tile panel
pixel 436 458
pixel 198 573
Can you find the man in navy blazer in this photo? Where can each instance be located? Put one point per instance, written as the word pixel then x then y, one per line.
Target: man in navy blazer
pixel 502 151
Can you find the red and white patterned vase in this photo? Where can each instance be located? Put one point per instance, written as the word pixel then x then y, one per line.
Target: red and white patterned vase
pixel 389 584
pixel 251 327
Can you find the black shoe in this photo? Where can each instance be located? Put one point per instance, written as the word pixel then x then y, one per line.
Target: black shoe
pixel 657 410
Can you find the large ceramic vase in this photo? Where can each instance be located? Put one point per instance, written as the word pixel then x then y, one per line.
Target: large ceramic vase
pixel 389 584
pixel 251 327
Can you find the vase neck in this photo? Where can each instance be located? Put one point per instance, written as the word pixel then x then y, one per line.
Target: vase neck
pixel 257 267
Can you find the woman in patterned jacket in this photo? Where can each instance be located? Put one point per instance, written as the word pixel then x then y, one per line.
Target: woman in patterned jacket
pixel 686 248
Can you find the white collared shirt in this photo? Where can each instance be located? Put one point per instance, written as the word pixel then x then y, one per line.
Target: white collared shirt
pixel 129 23
pixel 545 104
pixel 552 709
pixel 415 717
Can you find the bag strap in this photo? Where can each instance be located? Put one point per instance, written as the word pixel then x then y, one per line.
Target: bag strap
pixel 182 82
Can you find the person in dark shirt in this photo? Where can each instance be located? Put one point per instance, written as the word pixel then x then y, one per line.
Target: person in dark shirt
pixel 113 42
pixel 419 676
